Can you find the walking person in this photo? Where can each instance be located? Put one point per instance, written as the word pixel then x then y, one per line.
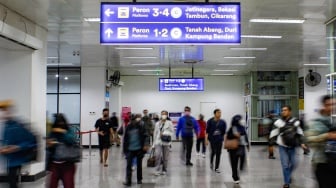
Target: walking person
pixel 149 126
pixel 288 134
pixel 238 155
pixel 105 135
pixel 62 170
pixel 187 126
pixel 267 122
pixel 215 132
pixel 163 133
pixel 318 134
pixel 115 125
pixel 201 136
pixel 135 145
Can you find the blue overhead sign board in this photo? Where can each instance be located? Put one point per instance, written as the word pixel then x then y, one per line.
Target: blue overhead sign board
pixel 181 84
pixel 145 23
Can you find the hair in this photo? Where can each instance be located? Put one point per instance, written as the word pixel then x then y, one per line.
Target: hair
pixel 201 116
pixel 164 111
pixel 187 108
pixel 106 109
pixel 216 110
pixel 324 98
pixel 60 122
pixel 235 120
pixel 287 106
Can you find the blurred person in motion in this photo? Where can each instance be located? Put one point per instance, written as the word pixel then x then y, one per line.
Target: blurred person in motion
pixel 105 135
pixel 163 134
pixel 61 133
pixel 215 131
pixel 320 131
pixel 288 134
pixel 149 126
pixel 187 126
pixel 267 122
pixel 201 136
pixel 17 141
pixel 238 131
pixel 115 125
pixel 135 145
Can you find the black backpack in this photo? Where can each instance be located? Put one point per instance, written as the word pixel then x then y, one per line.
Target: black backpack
pixel 289 133
pixel 189 125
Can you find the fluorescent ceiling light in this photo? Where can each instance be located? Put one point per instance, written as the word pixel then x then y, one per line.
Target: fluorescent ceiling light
pixel 324 57
pixel 133 48
pixel 232 64
pixel 222 74
pixel 61 64
pixel 154 70
pixel 153 74
pixel 220 70
pixel 331 37
pixel 238 57
pixel 141 57
pixel 290 21
pixel 321 64
pixel 249 49
pixel 331 49
pixel 261 36
pixel 145 64
pixel 52 57
pixel 92 19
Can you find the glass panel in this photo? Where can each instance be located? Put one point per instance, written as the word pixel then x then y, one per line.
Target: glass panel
pixel 69 105
pixel 52 81
pixel 70 81
pixel 51 106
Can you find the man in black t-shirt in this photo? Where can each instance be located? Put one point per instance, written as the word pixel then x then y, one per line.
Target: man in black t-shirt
pixel 105 132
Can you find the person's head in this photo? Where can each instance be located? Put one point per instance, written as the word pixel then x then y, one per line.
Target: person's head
pixel 137 117
pixel 201 117
pixel 106 112
pixel 328 103
pixel 187 111
pixel 164 114
pixel 114 114
pixel 217 113
pixel 6 109
pixel 145 112
pixel 60 122
pixel 156 117
pixel 286 111
pixel 236 120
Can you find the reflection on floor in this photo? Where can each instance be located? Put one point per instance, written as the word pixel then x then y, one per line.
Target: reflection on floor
pixel 260 172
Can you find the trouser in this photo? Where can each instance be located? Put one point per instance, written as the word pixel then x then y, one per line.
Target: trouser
pixel 288 162
pixel 162 155
pixel 13 173
pixel 64 172
pixel 198 145
pixel 216 150
pixel 130 155
pixel 187 147
pixel 325 175
pixel 237 155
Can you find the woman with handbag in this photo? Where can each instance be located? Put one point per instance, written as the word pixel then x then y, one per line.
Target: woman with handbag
pixel 163 133
pixel 235 143
pixel 61 169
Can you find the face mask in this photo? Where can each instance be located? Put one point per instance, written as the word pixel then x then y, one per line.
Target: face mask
pixel 187 113
pixel 242 122
pixel 164 117
pixel 137 119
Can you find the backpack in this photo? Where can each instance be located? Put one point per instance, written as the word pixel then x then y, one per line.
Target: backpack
pixel 289 133
pixel 189 127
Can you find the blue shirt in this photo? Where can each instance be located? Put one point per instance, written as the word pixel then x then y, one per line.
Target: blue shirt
pixel 186 128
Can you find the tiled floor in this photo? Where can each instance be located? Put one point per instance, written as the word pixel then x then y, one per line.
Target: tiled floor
pixel 261 172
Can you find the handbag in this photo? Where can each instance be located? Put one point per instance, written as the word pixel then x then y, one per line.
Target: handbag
pixel 166 138
pixel 151 160
pixel 231 143
pixel 68 153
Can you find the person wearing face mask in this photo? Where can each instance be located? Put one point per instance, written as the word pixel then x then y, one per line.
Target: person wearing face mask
pixel 105 132
pixel 135 145
pixel 187 126
pixel 163 133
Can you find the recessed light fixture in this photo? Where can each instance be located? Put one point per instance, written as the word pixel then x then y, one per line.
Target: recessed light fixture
pixel 140 57
pixel 221 70
pixel 145 64
pixel 261 36
pixel 289 21
pixel 232 64
pixel 317 64
pixel 249 49
pixel 52 57
pixel 92 19
pixel 222 74
pixel 324 57
pixel 56 76
pixel 239 57
pixel 133 48
pixel 153 74
pixel 66 78
pixel 153 70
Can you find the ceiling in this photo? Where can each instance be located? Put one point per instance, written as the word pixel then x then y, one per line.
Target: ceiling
pixel 76 42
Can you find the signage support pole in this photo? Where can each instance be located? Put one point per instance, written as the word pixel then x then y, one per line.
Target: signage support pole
pixel 169 72
pixel 192 70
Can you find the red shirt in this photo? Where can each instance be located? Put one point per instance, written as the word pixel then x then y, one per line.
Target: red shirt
pixel 202 127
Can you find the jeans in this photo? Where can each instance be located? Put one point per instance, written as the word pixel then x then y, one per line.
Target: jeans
pixel 198 145
pixel 288 163
pixel 216 149
pixel 130 155
pixel 187 147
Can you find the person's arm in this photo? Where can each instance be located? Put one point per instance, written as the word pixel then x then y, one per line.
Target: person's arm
pixel 196 127
pixel 275 132
pixel 156 132
pixel 299 131
pixel 207 131
pixel 317 132
pixel 97 128
pixel 179 127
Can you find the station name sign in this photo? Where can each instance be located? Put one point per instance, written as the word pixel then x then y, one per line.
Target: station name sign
pixel 162 23
pixel 181 84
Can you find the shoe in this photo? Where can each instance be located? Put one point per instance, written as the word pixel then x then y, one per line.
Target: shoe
pixel 271 157
pixel 133 168
pixel 139 182
pixel 189 164
pixel 236 182
pixel 217 171
pixel 286 186
pixel 203 155
pixel 211 166
pixel 198 154
pixel 127 184
pixel 158 173
pixel 118 145
pixel 105 165
pixel 163 173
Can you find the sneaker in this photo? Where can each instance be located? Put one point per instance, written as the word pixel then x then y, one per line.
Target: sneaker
pixel 236 182
pixel 271 157
pixel 133 168
pixel 217 171
pixel 139 182
pixel 164 173
pixel 211 166
pixel 203 155
pixel 158 173
pixel 286 186
pixel 189 164
pixel 198 154
pixel 127 183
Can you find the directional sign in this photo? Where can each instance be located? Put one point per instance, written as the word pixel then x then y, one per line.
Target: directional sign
pixel 181 84
pixel 210 23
